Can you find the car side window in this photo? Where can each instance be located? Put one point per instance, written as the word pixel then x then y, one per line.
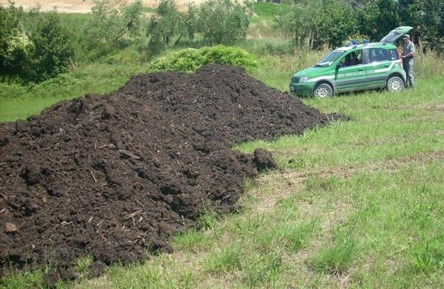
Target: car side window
pixel 378 54
pixel 393 54
pixel 352 58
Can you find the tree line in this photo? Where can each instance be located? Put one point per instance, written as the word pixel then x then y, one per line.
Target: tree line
pixel 35 46
pixel 328 22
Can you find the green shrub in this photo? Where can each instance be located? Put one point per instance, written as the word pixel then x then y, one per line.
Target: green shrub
pixel 53 50
pixel 34 46
pixel 15 46
pixel 189 60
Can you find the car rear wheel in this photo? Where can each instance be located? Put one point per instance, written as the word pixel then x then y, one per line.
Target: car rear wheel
pixel 323 90
pixel 395 83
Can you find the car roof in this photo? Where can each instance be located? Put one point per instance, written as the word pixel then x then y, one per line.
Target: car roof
pixel 366 45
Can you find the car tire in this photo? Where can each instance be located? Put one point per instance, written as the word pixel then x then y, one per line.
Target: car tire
pixel 395 84
pixel 323 90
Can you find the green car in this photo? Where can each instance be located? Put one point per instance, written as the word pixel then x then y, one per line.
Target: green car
pixel 354 67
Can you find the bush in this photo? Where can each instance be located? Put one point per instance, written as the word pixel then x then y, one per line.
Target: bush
pixel 53 50
pixel 15 46
pixel 189 60
pixel 34 46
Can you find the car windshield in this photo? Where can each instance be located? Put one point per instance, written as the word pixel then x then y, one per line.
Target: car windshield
pixel 330 58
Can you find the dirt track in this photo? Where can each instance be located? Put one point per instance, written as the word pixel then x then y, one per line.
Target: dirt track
pixel 84 6
pixel 112 176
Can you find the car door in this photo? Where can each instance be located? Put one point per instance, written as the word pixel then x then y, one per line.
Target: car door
pixel 350 73
pixel 377 66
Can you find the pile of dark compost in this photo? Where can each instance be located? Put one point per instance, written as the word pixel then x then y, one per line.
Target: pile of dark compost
pixel 114 176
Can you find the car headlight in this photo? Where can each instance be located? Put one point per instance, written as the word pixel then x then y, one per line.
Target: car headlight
pixel 303 79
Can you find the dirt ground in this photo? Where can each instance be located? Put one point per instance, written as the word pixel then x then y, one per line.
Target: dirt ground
pixel 84 6
pixel 114 176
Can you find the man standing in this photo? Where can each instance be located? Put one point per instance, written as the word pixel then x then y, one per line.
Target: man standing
pixel 408 53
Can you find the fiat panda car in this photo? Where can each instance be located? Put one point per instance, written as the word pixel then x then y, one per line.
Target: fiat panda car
pixel 354 67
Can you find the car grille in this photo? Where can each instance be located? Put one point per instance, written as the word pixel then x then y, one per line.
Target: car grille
pixel 295 79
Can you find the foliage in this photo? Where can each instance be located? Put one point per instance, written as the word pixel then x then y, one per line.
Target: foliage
pixel 165 24
pixel 378 18
pixel 107 28
pixel 432 25
pixel 34 46
pixel 15 46
pixel 222 22
pixel 216 21
pixel 319 22
pixel 189 60
pixel 297 22
pixel 334 23
pixel 133 17
pixel 53 50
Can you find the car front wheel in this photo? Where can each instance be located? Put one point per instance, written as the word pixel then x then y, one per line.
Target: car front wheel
pixel 395 83
pixel 323 90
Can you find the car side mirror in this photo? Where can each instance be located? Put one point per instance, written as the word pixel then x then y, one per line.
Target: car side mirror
pixel 338 66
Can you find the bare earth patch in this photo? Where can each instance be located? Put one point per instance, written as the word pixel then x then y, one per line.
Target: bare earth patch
pixel 84 6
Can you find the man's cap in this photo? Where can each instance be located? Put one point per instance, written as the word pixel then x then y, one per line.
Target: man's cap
pixel 406 36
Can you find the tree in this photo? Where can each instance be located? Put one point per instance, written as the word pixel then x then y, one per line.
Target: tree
pixel 133 18
pixel 107 28
pixel 222 22
pixel 321 22
pixel 166 23
pixel 217 21
pixel 432 26
pixel 334 24
pixel 297 22
pixel 15 45
pixel 378 17
pixel 52 48
pixel 33 46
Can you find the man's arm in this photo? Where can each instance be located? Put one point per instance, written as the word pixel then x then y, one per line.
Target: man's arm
pixel 411 52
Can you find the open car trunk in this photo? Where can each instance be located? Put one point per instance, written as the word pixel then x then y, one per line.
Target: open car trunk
pixel 396 33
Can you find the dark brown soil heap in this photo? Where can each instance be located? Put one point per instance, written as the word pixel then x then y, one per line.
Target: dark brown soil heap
pixel 112 176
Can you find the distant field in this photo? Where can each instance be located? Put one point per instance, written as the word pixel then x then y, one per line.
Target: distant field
pixel 84 6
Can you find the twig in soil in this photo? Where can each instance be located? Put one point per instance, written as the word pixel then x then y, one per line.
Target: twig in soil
pixel 140 203
pixel 94 178
pixel 109 145
pixel 132 215
pixel 129 154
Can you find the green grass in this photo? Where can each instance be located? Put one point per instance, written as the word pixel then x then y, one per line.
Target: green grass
pixel 20 102
pixel 268 10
